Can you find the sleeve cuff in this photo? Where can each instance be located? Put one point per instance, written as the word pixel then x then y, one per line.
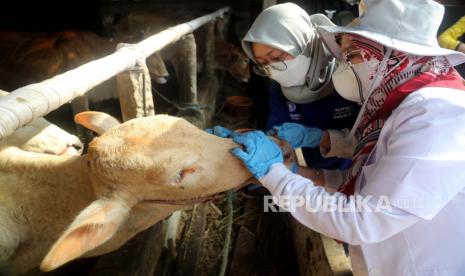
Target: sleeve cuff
pixel 277 172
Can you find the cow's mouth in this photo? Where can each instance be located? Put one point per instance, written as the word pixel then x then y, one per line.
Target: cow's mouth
pixel 195 200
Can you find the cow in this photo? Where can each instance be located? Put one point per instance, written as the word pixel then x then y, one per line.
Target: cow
pixel 231 58
pixel 54 209
pixel 41 136
pixel 27 58
pixel 227 56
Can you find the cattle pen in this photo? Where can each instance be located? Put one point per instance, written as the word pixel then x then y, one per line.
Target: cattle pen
pixel 23 105
pixel 159 250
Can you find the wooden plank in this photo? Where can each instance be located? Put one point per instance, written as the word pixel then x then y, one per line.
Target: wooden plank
pixel 318 255
pixel 208 32
pixel 135 93
pixel 138 257
pixel 185 62
pixel 243 260
pixel 190 249
pixel 338 261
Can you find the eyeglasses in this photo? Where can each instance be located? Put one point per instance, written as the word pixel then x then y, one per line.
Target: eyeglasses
pixel 265 70
pixel 350 55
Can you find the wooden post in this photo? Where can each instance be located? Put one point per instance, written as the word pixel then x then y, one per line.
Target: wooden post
pixel 190 249
pixel 221 27
pixel 209 55
pixel 185 62
pixel 269 3
pixel 135 93
pixel 317 254
pixel 208 84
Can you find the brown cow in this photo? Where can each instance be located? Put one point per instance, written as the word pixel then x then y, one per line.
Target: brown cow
pixel 231 58
pixel 133 176
pixel 32 57
pixel 27 58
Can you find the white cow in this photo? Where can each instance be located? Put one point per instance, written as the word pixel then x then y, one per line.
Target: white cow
pixel 43 137
pixel 57 208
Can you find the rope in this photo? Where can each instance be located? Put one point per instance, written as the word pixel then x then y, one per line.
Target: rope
pixel 227 241
pixel 181 105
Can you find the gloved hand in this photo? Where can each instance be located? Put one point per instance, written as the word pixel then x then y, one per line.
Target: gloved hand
pixel 298 135
pixel 293 168
pixel 260 152
pixel 221 132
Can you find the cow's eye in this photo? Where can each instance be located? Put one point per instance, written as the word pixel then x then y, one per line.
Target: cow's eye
pixel 183 173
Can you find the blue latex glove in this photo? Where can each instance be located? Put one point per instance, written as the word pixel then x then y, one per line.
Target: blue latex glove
pixel 260 152
pixel 221 132
pixel 294 167
pixel 298 135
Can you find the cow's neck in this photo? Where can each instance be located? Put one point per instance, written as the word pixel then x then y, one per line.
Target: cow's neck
pixel 63 174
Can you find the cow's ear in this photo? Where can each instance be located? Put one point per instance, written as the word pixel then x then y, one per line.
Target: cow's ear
pixel 98 122
pixel 95 225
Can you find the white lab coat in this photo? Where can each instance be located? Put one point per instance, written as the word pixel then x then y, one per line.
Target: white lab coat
pixel 418 165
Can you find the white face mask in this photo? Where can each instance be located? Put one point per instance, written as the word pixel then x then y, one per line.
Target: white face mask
pixel 352 81
pixel 294 73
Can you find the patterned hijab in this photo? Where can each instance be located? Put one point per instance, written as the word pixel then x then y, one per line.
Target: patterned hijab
pixel 403 74
pixel 291 29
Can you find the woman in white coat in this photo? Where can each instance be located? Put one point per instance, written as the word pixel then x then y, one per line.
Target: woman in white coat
pixel 401 204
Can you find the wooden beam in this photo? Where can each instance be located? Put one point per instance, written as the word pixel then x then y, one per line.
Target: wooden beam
pixel 135 93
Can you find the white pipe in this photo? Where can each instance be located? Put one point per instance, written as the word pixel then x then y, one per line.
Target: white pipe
pixel 36 100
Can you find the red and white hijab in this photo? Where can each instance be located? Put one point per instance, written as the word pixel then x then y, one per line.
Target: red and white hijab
pixel 404 73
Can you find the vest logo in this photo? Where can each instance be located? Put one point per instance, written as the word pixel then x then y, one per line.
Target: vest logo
pixel 291 106
pixel 342 112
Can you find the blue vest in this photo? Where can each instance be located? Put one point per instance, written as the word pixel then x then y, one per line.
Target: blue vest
pixel 331 112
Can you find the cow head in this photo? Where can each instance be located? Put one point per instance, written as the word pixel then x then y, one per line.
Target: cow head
pixel 239 67
pixel 157 68
pixel 144 160
pixel 172 158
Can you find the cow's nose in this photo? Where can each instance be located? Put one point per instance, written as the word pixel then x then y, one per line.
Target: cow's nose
pixel 161 80
pixel 77 146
